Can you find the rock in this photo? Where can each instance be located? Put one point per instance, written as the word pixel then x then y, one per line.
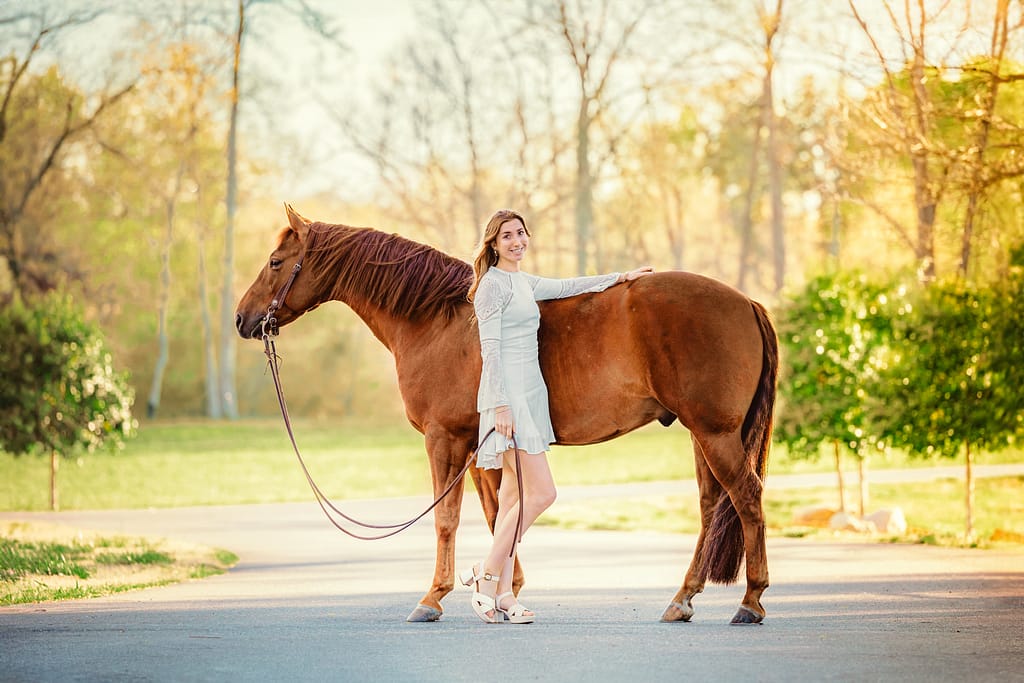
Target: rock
pixel 1009 536
pixel 844 521
pixel 888 521
pixel 816 517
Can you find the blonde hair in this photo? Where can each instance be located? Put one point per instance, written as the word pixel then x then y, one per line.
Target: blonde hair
pixel 486 255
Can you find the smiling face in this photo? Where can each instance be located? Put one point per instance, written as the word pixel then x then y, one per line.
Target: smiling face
pixel 510 244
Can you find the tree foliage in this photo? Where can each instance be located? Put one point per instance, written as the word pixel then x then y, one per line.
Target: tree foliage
pixel 940 382
pixel 60 391
pixel 829 331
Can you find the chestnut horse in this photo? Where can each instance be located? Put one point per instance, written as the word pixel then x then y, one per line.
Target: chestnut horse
pixel 669 346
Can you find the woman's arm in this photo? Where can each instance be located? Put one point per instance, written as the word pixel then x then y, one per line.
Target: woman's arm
pixel 553 288
pixel 488 304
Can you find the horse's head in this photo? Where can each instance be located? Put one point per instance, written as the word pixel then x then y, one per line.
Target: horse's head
pixel 275 273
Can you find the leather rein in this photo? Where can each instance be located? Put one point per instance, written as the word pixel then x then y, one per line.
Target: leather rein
pixel 270 330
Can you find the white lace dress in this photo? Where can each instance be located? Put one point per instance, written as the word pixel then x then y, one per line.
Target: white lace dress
pixel 508 318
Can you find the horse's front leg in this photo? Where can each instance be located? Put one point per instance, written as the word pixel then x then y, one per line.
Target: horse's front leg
pixel 447 456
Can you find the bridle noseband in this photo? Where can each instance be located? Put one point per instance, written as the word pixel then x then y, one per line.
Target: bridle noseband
pixel 268 326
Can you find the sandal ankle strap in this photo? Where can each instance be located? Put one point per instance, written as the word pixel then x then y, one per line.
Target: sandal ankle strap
pixel 483 574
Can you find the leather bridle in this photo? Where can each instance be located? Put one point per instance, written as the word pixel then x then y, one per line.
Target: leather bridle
pixel 268 325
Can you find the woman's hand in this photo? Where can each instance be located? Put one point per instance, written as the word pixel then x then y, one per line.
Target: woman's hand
pixel 638 273
pixel 503 421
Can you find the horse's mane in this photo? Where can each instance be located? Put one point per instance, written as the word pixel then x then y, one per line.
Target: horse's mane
pixel 406 278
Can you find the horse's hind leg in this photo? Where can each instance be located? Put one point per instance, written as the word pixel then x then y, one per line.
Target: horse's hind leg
pixel 681 607
pixel 447 457
pixel 726 459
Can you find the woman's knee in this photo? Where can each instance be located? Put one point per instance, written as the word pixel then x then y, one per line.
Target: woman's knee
pixel 541 499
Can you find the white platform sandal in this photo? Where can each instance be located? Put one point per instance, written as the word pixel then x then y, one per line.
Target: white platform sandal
pixel 516 614
pixel 482 603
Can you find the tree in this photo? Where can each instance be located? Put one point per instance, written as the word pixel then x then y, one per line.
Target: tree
pixel 991 74
pixel 60 393
pixel 661 183
pixel 922 137
pixel 829 330
pixel 228 335
pixel 41 118
pixel 1008 334
pixel 169 152
pixel 595 44
pixel 440 124
pixel 614 78
pixel 228 341
pixel 943 379
pixel 766 132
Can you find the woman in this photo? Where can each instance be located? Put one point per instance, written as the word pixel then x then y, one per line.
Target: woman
pixel 513 398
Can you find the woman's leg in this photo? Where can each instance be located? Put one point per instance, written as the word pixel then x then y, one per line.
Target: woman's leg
pixel 538 493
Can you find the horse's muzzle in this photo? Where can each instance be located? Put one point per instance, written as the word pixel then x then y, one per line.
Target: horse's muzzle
pixel 253 331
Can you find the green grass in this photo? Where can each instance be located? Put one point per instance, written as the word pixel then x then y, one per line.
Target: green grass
pixel 41 562
pixel 172 464
pixel 220 463
pixel 19 559
pixel 935 512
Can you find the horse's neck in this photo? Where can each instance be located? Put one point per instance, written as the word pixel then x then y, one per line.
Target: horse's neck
pixel 386 327
pixel 395 328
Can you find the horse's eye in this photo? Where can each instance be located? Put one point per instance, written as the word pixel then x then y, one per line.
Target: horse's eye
pixel 275 263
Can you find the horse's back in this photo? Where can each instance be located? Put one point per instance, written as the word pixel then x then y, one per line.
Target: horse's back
pixel 672 343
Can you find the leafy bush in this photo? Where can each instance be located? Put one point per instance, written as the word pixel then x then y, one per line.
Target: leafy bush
pixel 829 331
pixel 60 392
pixel 941 383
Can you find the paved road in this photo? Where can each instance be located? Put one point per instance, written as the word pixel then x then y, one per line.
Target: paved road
pixel 306 603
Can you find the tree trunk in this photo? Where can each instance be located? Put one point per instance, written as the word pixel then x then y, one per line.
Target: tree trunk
pixel 584 189
pixel 747 225
pixel 999 39
pixel 775 185
pixel 839 477
pixel 213 406
pixel 771 24
pixel 969 526
pixel 54 466
pixel 862 466
pixel 156 385
pixel 227 318
pixel 924 194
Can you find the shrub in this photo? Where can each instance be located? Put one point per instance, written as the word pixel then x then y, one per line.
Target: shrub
pixel 60 393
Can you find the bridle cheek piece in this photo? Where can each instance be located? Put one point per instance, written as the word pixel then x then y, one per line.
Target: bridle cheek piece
pixel 268 325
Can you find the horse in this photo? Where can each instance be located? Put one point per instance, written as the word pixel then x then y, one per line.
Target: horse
pixel 670 346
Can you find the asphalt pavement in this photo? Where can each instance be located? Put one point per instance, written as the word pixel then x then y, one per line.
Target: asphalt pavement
pixel 307 603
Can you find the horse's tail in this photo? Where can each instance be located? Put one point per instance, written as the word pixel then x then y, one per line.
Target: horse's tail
pixel 723 542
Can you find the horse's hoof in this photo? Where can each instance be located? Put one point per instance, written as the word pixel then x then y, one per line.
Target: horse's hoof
pixel 678 611
pixel 424 613
pixel 745 615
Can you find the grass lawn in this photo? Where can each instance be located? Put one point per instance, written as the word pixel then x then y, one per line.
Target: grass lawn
pixel 184 463
pixel 934 511
pixel 173 464
pixel 40 562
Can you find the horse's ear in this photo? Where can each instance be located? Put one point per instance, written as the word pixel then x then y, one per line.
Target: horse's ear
pixel 297 222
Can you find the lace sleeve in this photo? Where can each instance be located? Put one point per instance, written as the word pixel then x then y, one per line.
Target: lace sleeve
pixel 549 288
pixel 489 302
